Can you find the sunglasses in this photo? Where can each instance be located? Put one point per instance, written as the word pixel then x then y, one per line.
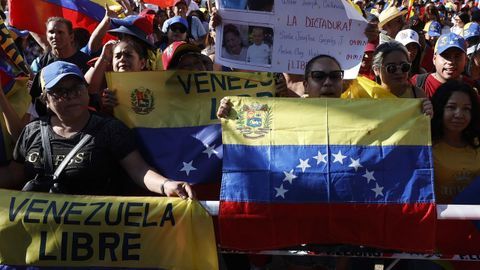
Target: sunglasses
pixel 334 75
pixel 392 68
pixel 179 29
pixel 64 93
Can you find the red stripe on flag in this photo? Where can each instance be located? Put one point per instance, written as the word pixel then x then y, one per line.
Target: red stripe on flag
pixel 32 16
pixel 160 3
pixel 255 226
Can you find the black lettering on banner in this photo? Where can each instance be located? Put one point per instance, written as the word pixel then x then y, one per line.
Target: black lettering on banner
pixel 108 241
pixel 43 248
pixel 81 246
pixel 31 209
pixel 264 94
pixel 71 211
pixel 214 81
pixel 186 86
pixel 129 214
pixel 57 216
pixel 232 80
pixel 12 213
pixel 88 221
pixel 168 215
pixel 266 83
pixel 248 85
pixel 127 247
pixel 145 217
pixel 213 109
pixel 119 214
pixel 199 82
pixel 64 248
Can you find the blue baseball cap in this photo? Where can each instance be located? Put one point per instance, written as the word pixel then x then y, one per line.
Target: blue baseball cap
pixel 54 72
pixel 471 30
pixel 448 41
pixel 174 20
pixel 433 28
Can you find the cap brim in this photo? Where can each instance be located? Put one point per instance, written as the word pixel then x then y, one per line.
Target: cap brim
pixel 449 47
pixel 57 79
pixel 125 30
pixel 433 34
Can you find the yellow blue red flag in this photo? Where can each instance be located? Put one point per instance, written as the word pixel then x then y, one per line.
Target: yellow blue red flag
pixel 173 115
pixel 327 171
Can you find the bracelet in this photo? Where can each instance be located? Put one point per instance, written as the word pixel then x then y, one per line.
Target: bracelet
pixel 162 187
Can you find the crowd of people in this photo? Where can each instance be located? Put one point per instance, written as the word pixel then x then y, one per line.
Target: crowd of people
pixel 428 51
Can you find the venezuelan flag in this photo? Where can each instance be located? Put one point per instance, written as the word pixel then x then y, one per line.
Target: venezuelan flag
pixel 20 100
pixel 32 15
pixel 173 115
pixel 327 171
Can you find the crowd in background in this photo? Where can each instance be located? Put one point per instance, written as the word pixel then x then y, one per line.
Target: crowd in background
pixel 429 50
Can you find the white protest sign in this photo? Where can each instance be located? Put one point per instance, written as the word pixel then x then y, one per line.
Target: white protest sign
pixel 283 35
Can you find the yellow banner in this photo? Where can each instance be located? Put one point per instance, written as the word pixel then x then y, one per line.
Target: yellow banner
pixel 93 231
pixel 181 98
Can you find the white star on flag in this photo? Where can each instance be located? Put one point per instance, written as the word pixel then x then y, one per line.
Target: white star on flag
pixel 280 191
pixel 378 190
pixel 355 163
pixel 187 167
pixel 289 176
pixel 210 150
pixel 369 176
pixel 303 164
pixel 320 157
pixel 339 157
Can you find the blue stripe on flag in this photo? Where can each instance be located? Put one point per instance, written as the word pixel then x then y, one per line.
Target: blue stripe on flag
pixel 193 154
pixel 337 173
pixel 86 7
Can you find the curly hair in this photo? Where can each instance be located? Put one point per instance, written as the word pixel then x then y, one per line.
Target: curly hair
pixel 472 132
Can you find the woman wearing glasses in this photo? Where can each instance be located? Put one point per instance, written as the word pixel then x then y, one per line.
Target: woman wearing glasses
pixel 391 66
pixel 92 169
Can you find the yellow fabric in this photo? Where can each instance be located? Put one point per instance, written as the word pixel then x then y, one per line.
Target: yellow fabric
pixel 349 121
pixel 151 232
pixel 362 87
pixel 20 100
pixel 454 169
pixel 11 50
pixel 181 98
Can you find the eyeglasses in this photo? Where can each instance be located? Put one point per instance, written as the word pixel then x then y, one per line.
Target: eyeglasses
pixel 334 75
pixel 179 29
pixel 392 68
pixel 66 92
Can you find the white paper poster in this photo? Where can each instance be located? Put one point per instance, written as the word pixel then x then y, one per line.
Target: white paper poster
pixel 283 35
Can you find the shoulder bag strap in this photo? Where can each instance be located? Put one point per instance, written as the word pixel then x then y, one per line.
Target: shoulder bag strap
pixel 67 159
pixel 47 151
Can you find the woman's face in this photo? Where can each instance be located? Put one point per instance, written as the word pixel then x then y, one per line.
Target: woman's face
pixel 318 85
pixel 233 43
pixel 69 98
pixel 177 32
pixel 457 113
pixel 394 72
pixel 125 58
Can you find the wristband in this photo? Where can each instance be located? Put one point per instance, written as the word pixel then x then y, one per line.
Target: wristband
pixel 162 187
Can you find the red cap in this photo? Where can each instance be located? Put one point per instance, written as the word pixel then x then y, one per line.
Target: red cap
pixel 174 49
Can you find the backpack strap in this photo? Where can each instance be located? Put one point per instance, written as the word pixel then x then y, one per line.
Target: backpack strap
pixel 47 150
pixel 420 80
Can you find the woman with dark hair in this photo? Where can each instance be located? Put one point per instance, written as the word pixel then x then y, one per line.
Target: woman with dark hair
pixel 455 136
pixel 391 65
pixel 233 47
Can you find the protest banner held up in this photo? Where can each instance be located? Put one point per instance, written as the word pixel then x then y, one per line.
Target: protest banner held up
pixel 46 230
pixel 282 36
